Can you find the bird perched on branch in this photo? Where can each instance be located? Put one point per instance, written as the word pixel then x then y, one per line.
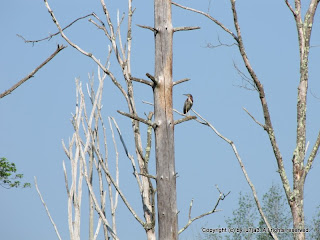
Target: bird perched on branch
pixel 188 103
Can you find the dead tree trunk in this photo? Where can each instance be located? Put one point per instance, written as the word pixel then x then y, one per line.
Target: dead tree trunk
pixel 164 132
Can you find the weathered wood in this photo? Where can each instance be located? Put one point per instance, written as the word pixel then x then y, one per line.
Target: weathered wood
pixel 164 132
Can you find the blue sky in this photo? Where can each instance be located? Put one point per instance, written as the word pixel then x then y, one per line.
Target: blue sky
pixel 36 117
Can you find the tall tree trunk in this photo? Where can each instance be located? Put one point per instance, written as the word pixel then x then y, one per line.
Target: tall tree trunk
pixel 164 132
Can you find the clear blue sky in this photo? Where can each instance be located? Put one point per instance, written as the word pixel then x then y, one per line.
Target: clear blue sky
pixel 36 117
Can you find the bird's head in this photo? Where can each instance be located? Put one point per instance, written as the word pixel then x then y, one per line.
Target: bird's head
pixel 188 95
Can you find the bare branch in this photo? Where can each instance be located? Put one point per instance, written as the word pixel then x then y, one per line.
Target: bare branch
pixel 209 45
pixel 90 55
pixel 138 119
pixel 140 80
pixel 148 176
pixel 65 175
pixel 151 78
pixel 47 210
pixel 9 91
pixel 246 79
pixel 149 138
pixel 181 81
pixel 97 207
pixel 190 220
pixel 210 17
pixel 291 9
pixel 188 118
pixel 52 35
pixel 243 170
pixel 268 124
pixel 135 173
pixel 148 27
pixel 313 154
pixel 257 122
pixel 120 135
pixel 177 29
pixel 119 191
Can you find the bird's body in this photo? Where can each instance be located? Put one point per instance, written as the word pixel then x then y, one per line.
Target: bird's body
pixel 188 103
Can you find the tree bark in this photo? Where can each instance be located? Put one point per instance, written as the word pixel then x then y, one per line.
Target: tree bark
pixel 164 132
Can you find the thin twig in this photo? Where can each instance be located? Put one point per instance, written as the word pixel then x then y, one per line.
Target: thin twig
pixel 47 210
pixel 135 173
pixel 52 35
pixel 209 45
pixel 210 17
pixel 119 191
pixel 88 54
pixel 256 121
pixel 190 220
pixel 30 75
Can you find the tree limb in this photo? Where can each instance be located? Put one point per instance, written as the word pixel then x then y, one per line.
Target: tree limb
pixel 140 80
pixel 291 9
pixel 177 29
pixel 152 78
pixel 148 27
pixel 137 118
pixel 47 210
pixel 181 81
pixel 88 54
pixel 190 220
pixel 188 118
pixel 243 170
pixel 9 91
pixel 313 154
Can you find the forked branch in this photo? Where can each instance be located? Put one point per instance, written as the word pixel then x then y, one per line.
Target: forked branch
pixel 222 196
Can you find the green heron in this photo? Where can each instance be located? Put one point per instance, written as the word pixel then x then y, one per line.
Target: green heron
pixel 188 103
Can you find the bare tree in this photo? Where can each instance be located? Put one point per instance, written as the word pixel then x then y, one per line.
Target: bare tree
pixel 300 166
pixel 87 149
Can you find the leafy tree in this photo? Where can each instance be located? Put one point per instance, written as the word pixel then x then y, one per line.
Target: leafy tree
pixel 8 178
pixel 277 211
pixel 315 226
pixel 243 217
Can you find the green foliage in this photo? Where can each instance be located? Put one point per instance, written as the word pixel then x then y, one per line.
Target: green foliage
pixel 8 178
pixel 315 226
pixel 276 209
pixel 243 218
pixel 247 217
